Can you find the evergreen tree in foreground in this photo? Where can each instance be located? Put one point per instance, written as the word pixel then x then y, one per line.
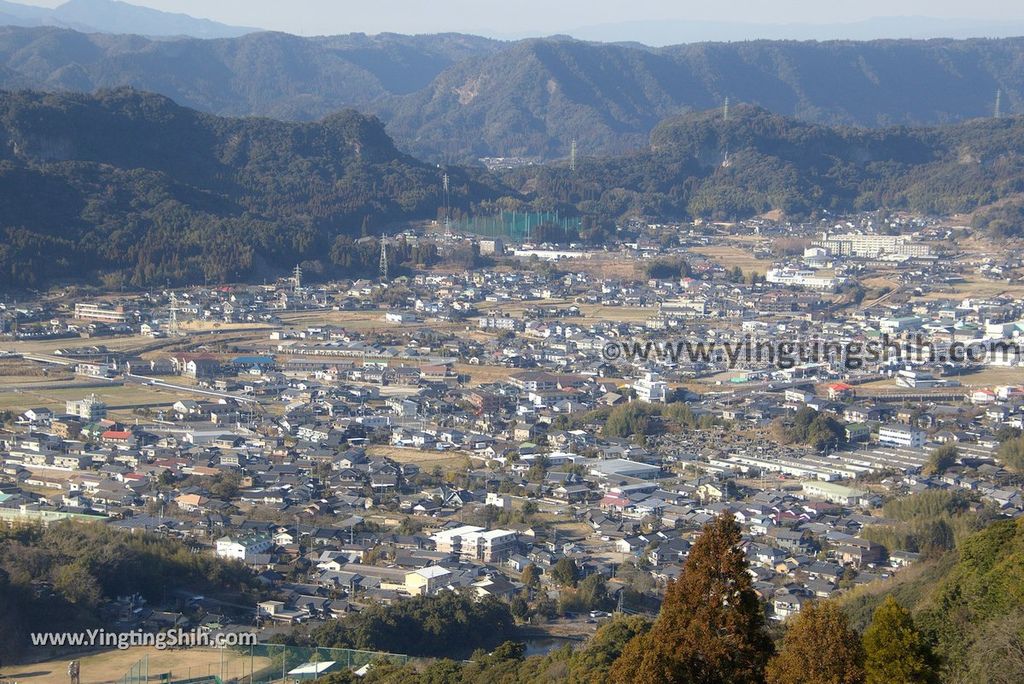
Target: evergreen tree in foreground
pixel 819 648
pixel 896 652
pixel 711 625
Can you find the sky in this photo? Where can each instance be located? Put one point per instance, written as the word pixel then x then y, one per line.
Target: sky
pixel 518 18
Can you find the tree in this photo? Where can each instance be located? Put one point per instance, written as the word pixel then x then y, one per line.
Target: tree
pixel 997 654
pixel 530 576
pixel 711 625
pixel 819 648
pixel 1011 453
pixel 565 572
pixel 634 418
pixel 940 460
pixel 895 651
pixel 591 663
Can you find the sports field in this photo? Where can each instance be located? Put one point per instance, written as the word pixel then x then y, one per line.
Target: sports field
pixel 108 667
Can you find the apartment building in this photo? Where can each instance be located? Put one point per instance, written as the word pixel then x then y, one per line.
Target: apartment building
pixel 476 543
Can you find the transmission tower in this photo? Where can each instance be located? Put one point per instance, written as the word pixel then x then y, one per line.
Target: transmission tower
pixel 297 278
pixel 383 259
pixel 447 206
pixel 725 110
pixel 999 101
pixel 572 156
pixel 172 325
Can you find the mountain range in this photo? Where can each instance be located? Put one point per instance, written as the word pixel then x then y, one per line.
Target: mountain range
pixel 112 16
pixel 702 164
pixel 453 97
pixel 134 189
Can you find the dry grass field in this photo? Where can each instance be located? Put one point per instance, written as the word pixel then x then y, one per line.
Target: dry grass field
pixel 447 460
pixel 730 257
pixel 482 375
pixel 120 399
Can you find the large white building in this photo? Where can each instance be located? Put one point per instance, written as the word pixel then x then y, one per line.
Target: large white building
pixel 243 548
pixel 802 278
pixel 901 435
pixel 476 543
pixel 650 389
pixel 100 312
pixel 89 409
pixel 871 245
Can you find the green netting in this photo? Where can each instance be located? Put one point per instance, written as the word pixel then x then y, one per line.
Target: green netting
pixel 517 225
pixel 259 664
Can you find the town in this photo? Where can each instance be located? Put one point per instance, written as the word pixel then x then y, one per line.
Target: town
pixel 362 442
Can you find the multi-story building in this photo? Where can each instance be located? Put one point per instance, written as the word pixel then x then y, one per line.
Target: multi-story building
pixel 802 278
pixel 871 245
pixel 901 436
pixel 476 543
pixel 100 312
pixel 650 389
pixel 243 548
pixel 89 409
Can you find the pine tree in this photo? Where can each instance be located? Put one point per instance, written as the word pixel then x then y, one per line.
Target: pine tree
pixel 819 648
pixel 896 652
pixel 711 625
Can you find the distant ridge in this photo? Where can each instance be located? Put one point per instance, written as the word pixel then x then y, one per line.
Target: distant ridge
pixel 112 16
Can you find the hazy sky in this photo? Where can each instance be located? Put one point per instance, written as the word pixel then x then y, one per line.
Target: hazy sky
pixel 508 18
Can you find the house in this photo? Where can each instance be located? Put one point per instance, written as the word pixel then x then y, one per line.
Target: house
pixel 426 581
pixel 839 391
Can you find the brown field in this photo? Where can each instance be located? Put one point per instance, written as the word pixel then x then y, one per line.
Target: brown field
pixel 601 266
pixel 128 343
pixel 976 286
pixel 987 377
pixel 111 666
pixel 482 375
pixel 126 397
pixel 451 460
pixel 598 312
pixel 730 257
pixel 356 320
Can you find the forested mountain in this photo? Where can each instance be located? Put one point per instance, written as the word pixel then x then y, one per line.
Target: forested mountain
pixel 704 165
pixel 133 187
pixel 535 96
pixel 262 74
pixel 969 604
pixel 459 97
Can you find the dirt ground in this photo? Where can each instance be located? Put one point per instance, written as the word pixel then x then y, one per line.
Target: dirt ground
pixel 111 666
